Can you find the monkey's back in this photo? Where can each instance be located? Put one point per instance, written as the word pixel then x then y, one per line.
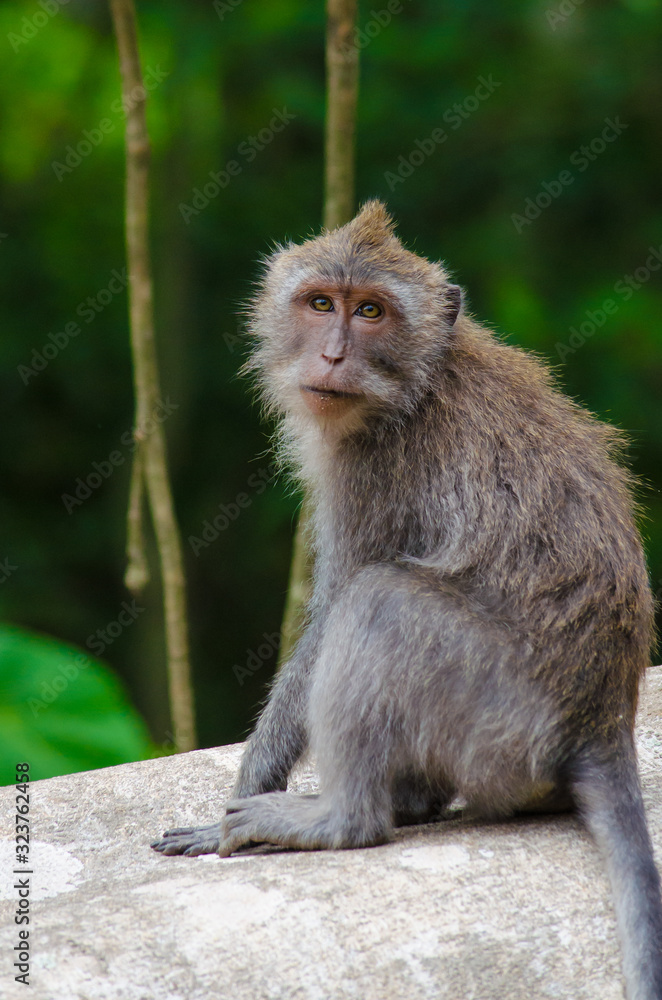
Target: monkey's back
pixel 502 486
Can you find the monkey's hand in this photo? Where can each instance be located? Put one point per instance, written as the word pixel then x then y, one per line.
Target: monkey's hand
pixel 222 838
pixel 191 840
pixel 275 818
pixel 302 822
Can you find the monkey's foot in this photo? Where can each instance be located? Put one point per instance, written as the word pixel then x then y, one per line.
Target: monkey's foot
pixel 303 822
pixel 190 840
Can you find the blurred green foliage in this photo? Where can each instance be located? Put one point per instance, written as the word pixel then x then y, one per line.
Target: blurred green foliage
pixel 62 710
pixel 518 89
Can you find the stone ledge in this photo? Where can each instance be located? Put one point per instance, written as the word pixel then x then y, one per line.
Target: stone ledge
pixel 455 911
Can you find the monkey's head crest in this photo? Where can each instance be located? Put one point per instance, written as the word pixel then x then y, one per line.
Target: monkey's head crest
pixel 368 249
pixel 372 226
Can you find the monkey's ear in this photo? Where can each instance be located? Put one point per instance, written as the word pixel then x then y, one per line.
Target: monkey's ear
pixel 453 297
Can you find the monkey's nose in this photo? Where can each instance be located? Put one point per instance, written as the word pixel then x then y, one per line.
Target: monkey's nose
pixel 332 357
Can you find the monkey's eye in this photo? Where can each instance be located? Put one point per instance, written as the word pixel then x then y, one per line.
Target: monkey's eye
pixel 369 310
pixel 321 304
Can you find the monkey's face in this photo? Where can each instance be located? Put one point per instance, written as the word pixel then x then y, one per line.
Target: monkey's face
pixel 340 337
pixel 350 326
pixel 346 348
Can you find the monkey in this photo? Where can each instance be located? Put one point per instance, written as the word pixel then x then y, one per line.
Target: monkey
pixel 481 612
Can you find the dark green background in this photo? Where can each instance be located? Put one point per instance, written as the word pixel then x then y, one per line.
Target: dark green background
pixel 224 70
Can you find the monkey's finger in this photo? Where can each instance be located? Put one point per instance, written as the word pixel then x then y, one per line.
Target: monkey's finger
pixel 209 846
pixel 186 846
pixel 190 841
pixel 181 831
pixel 170 847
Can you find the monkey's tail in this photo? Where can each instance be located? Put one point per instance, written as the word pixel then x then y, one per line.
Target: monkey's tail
pixel 605 785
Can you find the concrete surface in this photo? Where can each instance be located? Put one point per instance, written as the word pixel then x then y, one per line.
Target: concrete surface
pixel 456 911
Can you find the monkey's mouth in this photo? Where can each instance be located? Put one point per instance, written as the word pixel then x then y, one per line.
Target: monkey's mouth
pixel 331 393
pixel 324 402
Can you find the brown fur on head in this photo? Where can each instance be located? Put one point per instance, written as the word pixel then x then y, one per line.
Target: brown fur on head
pixel 383 367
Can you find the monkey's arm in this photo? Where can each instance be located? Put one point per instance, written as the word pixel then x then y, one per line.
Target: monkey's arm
pixel 280 737
pixel 279 740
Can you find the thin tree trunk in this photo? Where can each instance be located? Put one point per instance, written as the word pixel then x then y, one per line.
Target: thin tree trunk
pixel 299 588
pixel 136 576
pixel 150 472
pixel 342 74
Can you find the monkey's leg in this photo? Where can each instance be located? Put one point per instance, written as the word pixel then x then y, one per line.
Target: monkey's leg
pixel 606 787
pixel 278 741
pixel 280 736
pixel 387 687
pixel 354 808
pixel 304 822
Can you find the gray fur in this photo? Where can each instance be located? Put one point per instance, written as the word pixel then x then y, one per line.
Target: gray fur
pixel 482 613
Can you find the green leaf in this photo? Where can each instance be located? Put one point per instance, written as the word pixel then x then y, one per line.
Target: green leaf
pixel 62 710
